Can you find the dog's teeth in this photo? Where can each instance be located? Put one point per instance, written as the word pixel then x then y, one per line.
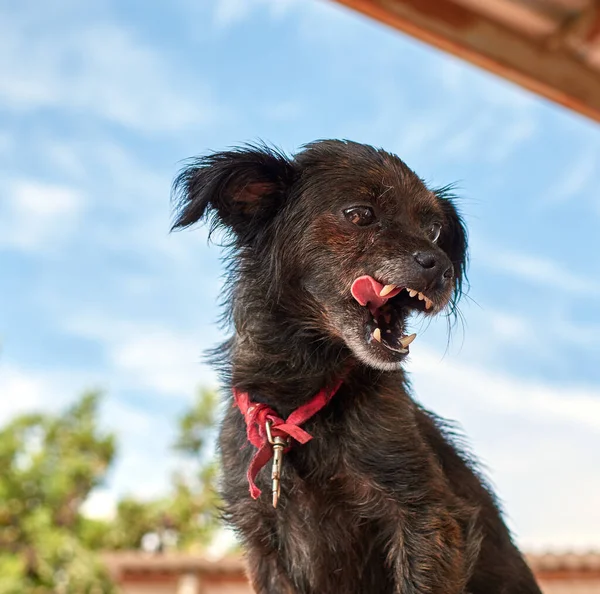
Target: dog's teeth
pixel 406 340
pixel 428 303
pixel 421 296
pixel 412 292
pixel 387 290
pixel 377 334
pixel 403 351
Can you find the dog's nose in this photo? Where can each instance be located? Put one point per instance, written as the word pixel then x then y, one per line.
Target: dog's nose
pixel 426 259
pixel 434 265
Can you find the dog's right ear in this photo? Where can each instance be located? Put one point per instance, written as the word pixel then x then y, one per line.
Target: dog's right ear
pixel 240 189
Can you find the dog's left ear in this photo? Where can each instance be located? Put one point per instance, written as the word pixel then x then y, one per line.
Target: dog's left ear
pixel 454 238
pixel 239 189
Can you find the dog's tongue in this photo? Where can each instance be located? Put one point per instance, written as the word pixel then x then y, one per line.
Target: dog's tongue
pixel 365 289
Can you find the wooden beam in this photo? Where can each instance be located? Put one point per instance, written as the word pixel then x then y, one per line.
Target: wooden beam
pixel 557 75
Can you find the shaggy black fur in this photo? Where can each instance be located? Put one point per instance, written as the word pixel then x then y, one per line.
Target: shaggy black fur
pixel 382 500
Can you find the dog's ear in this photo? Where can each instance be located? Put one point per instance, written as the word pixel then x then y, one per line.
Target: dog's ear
pixel 240 189
pixel 454 238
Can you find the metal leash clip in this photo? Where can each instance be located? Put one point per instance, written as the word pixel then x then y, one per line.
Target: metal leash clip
pixel 279 444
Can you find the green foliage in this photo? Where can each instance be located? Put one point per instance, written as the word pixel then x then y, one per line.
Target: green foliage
pixel 197 425
pixel 196 501
pixel 186 519
pixel 50 463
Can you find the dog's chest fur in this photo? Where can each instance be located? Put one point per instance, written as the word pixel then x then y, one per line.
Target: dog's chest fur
pixel 336 517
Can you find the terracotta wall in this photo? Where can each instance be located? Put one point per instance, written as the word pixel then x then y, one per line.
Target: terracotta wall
pixel 186 584
pixel 225 586
pixel 570 586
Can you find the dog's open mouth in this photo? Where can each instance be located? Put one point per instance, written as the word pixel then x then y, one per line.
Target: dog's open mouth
pixel 389 306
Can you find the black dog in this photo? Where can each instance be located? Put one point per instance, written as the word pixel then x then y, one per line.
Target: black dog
pixel 332 251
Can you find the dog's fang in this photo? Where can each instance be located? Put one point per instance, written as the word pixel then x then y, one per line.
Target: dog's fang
pixel 406 340
pixel 428 303
pixel 377 334
pixel 412 292
pixel 386 290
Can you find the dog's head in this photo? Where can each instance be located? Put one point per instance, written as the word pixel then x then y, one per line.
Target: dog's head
pixel 342 230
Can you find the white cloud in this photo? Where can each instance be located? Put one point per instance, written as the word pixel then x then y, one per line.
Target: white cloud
pixel 456 76
pixel 492 122
pixel 578 405
pixel 517 131
pixel 25 390
pixel 143 356
pixel 144 437
pixel 576 178
pixel 231 12
pixel 67 158
pixel 541 336
pixel 111 172
pixel 419 133
pixel 161 360
pixel 460 143
pixel 38 216
pixel 586 334
pixel 144 465
pixel 488 125
pixel 99 69
pixel 129 193
pixel 144 452
pixel 19 392
pixel 538 440
pixel 508 327
pixel 535 270
pixel 6 142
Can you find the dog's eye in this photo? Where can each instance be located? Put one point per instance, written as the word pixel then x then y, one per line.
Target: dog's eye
pixel 434 232
pixel 360 215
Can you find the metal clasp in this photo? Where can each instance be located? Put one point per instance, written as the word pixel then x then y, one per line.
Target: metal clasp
pixel 279 444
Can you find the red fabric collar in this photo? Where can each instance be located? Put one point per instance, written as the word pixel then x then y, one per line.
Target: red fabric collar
pixel 257 414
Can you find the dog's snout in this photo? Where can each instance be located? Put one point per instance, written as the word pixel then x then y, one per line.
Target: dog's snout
pixel 434 266
pixel 426 259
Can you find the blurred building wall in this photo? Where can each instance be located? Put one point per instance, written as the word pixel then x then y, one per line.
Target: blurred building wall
pixel 175 573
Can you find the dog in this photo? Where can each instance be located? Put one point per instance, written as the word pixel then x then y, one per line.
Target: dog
pixel 330 253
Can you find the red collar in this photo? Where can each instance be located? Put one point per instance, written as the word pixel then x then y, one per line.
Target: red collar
pixel 257 415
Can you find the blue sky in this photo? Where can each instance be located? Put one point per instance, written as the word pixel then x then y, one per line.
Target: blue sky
pixel 100 102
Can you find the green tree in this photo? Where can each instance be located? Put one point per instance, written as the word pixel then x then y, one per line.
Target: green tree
pixel 50 463
pixel 186 518
pixel 196 495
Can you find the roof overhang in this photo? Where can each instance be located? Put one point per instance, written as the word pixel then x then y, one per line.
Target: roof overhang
pixel 551 47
